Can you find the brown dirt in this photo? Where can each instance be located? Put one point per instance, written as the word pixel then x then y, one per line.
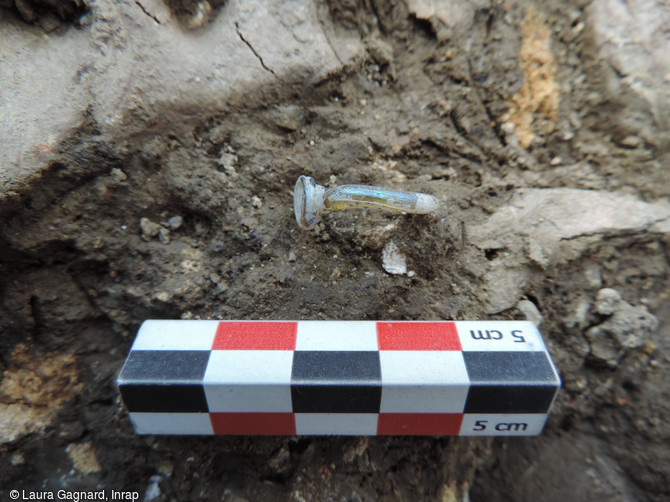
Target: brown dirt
pixel 33 388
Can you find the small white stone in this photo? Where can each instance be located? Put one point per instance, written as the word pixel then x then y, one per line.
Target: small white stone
pixel 393 260
pixel 162 296
pixel 593 276
pixel 579 312
pixel 631 142
pixel 17 459
pixel 175 222
pixel 153 491
pixel 227 160
pixel 149 229
pixel 607 301
pixel 530 310
pixel 536 252
pixel 508 127
pixel 117 175
pixel 164 236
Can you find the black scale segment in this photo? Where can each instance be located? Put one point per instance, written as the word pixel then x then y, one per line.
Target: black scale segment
pixel 169 381
pixel 509 382
pixel 336 382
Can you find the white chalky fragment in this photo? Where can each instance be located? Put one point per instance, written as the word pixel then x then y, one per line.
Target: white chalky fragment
pixel 393 260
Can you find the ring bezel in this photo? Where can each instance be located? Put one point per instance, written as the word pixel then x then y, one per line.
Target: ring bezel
pixel 304 202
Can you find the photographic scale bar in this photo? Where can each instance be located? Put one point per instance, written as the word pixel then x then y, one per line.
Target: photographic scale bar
pixel 356 378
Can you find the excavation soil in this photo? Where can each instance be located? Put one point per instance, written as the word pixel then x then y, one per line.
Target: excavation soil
pixel 196 222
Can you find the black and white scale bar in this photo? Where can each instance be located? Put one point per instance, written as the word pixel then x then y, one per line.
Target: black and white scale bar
pixel 339 378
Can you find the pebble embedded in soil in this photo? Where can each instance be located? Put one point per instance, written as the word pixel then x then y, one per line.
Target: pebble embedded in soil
pixel 593 276
pixel 175 222
pixel 17 459
pixel 164 236
pixel 393 260
pixel 227 161
pixel 149 229
pixel 117 176
pixel 630 142
pixel 530 311
pixel 153 491
pixel 626 328
pixel 607 301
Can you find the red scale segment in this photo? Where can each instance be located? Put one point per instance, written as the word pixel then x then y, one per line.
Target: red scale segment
pixel 409 336
pixel 419 424
pixel 261 424
pixel 268 335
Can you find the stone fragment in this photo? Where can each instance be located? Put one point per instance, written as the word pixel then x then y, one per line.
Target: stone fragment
pixel 228 161
pixel 537 223
pixel 164 236
pixel 579 311
pixel 633 66
pixel 281 460
pixel 503 285
pixel 607 301
pixel 175 222
pixel 630 142
pixel 393 260
pixel 536 252
pixel 553 215
pixel 153 490
pixel 162 296
pixel 603 350
pixel 17 459
pixel 593 276
pixel 626 328
pixel 288 117
pixel 448 18
pixel 83 457
pixel 149 229
pixel 530 310
pixel 117 176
